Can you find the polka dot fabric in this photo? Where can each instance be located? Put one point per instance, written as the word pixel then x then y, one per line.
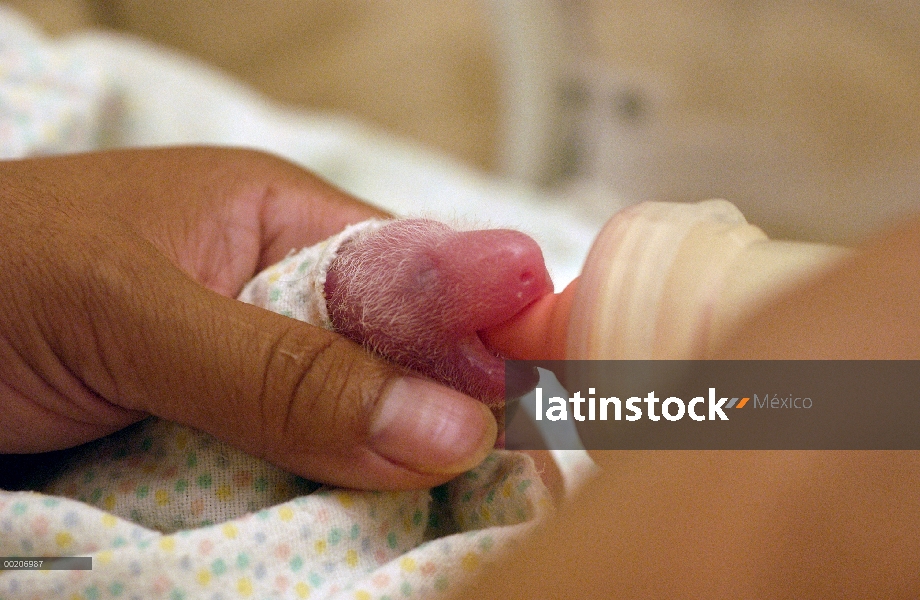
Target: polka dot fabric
pixel 329 544
pixel 169 512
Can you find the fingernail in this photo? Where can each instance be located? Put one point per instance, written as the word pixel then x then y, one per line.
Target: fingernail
pixel 432 429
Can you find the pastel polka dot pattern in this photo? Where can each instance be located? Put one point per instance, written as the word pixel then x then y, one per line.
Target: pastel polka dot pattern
pixel 329 544
pixel 167 477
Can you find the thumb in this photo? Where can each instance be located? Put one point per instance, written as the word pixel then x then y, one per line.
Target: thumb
pixel 299 396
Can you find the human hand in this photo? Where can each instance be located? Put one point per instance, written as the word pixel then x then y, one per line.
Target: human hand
pixel 116 273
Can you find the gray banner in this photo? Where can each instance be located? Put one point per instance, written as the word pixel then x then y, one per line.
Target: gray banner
pixel 46 563
pixel 718 405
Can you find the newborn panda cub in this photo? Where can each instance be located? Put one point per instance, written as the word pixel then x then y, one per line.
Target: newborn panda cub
pixel 420 294
pixel 417 292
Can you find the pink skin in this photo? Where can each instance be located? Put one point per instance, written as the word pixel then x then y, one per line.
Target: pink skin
pixel 539 332
pixel 420 293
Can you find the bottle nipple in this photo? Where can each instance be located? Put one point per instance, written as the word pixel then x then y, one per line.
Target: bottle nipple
pixel 662 281
pixel 538 332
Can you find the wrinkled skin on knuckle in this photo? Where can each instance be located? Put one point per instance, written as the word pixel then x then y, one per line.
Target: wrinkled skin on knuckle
pixel 320 391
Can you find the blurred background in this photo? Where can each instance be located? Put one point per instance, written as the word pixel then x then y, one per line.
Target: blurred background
pixel 806 115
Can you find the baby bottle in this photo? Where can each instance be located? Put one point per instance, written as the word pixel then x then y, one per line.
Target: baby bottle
pixel 663 281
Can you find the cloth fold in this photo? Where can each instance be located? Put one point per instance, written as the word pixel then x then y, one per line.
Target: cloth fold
pixel 294 286
pixel 333 543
